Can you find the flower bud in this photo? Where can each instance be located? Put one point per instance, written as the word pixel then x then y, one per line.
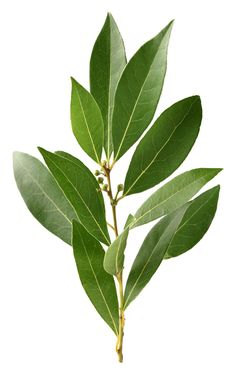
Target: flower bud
pixel 100 179
pixel 105 187
pixel 120 187
pixel 97 172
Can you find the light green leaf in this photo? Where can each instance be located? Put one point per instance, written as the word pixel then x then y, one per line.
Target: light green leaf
pixel 151 254
pixel 86 120
pixel 165 146
pixel 173 194
pixel 42 195
pixel 98 285
pixel 80 187
pixel 114 257
pixel 195 223
pixel 107 62
pixel 138 92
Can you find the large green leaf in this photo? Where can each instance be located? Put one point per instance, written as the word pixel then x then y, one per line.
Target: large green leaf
pixel 114 257
pixel 173 195
pixel 80 187
pixel 86 120
pixel 138 92
pixel 107 62
pixel 151 254
pixel 98 284
pixel 165 146
pixel 195 223
pixel 42 195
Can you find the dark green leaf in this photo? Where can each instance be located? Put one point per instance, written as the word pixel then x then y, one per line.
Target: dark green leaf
pixel 138 92
pixel 151 254
pixel 42 195
pixel 80 188
pixel 86 120
pixel 98 284
pixel 114 257
pixel 106 65
pixel 173 194
pixel 165 146
pixel 195 223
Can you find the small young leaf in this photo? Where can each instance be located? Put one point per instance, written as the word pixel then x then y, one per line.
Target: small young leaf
pixel 114 257
pixel 165 146
pixel 151 254
pixel 42 195
pixel 173 194
pixel 80 187
pixel 138 92
pixel 86 120
pixel 107 62
pixel 195 223
pixel 98 285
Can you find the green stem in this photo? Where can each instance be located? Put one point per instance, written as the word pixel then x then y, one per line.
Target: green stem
pixel 113 201
pixel 119 344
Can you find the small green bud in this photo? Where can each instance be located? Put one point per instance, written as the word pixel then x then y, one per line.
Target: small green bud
pixel 97 172
pixel 120 187
pixel 104 187
pixel 100 179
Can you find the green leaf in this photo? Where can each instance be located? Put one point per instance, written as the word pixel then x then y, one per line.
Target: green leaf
pixel 114 257
pixel 107 62
pixel 151 254
pixel 130 219
pixel 42 195
pixel 98 285
pixel 87 122
pixel 195 223
pixel 165 146
pixel 173 194
pixel 138 92
pixel 80 188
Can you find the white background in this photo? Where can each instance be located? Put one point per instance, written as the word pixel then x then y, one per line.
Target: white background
pixel 181 329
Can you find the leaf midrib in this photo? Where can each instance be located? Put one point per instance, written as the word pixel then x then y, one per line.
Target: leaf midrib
pixel 167 141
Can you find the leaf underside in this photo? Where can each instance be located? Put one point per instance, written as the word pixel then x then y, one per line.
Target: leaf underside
pixel 42 195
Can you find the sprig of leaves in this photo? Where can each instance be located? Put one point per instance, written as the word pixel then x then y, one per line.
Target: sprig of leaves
pixel 68 199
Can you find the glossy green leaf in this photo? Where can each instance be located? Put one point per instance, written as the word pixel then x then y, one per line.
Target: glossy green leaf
pixel 86 120
pixel 173 194
pixel 114 257
pixel 195 223
pixel 80 187
pixel 42 195
pixel 151 254
pixel 98 284
pixel 138 92
pixel 165 146
pixel 107 62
